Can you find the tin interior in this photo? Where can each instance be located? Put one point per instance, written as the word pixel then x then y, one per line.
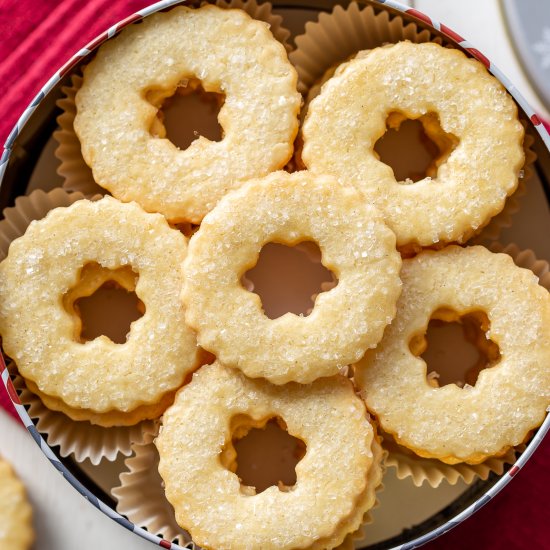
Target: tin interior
pixel 419 510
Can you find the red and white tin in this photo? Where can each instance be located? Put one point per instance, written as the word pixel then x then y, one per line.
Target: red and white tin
pixel 448 508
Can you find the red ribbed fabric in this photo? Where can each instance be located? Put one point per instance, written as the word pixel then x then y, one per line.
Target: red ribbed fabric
pixel 38 36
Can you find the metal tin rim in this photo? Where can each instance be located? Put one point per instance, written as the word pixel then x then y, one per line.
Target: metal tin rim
pixel 4 374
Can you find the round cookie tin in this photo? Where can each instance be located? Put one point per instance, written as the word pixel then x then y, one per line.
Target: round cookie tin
pixel 33 130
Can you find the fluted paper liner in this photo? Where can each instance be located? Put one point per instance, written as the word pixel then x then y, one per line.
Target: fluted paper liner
pixel 141 498
pixel 340 35
pixel 82 439
pixel 28 208
pixel 262 11
pixel 433 471
pixel 77 175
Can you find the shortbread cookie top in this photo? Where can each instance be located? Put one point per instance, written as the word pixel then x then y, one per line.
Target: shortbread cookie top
pixel 231 54
pixel 208 498
pixel 480 138
pixel 356 246
pixel 509 399
pixel 38 331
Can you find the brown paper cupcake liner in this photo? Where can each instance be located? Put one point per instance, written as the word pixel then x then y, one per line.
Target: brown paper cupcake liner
pixel 262 11
pixel 434 472
pixel 81 439
pixel 29 208
pixel 140 497
pixel 77 175
pixel 337 36
pixel 340 36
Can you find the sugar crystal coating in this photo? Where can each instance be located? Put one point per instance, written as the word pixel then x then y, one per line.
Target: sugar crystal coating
pixel 39 333
pixel 414 80
pixel 231 54
pixel 508 400
pixel 323 505
pixel 287 208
